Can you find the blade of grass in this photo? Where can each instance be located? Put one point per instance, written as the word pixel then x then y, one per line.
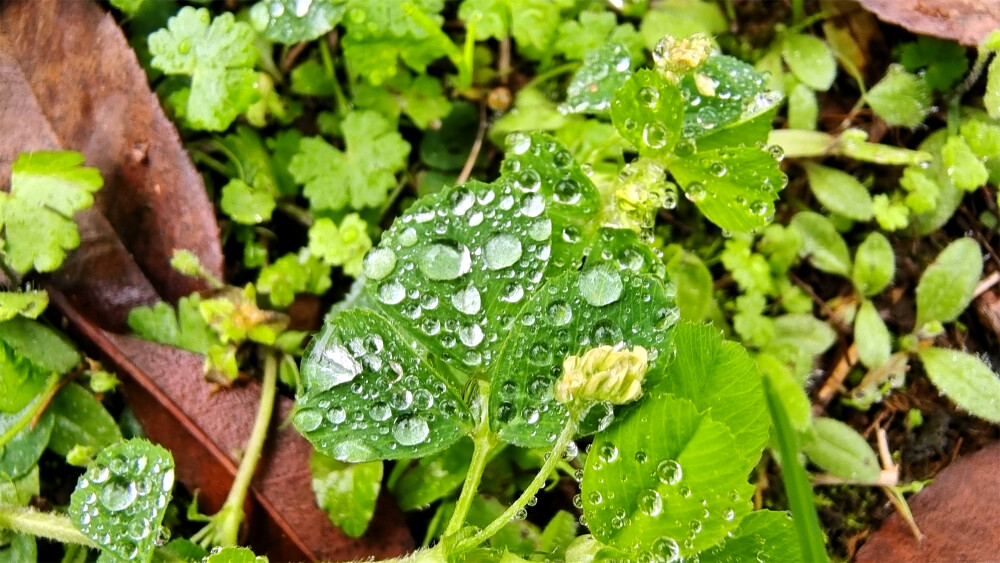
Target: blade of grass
pixel 797 487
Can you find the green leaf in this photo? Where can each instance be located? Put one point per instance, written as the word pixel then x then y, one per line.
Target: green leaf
pixel 694 285
pixel 735 188
pixel 368 395
pixel 120 501
pixel 946 286
pixel 874 264
pixel 750 129
pixel 922 196
pixel 787 390
pixel 575 312
pixel 39 344
pixel 432 477
pixel 184 328
pixel 537 162
pixel 46 190
pixel 839 192
pixel 803 108
pixel 648 112
pixel 20 380
pixel 804 333
pixel 945 61
pixel 218 55
pixel 872 338
pixel 361 175
pixel 559 533
pixel 21 453
pixel 737 92
pixel 964 168
pixel 27 304
pixel 718 376
pixel 595 31
pixel 246 204
pixel 344 245
pixel 821 242
pixel 665 479
pixel 294 273
pixel 765 535
pixel 900 98
pixel 681 18
pixel 948 197
pixel 891 215
pixel 80 420
pixel 380 32
pixel 594 84
pixel 982 137
pixel 991 99
pixel 347 492
pixel 295 21
pixel 447 148
pixel 310 79
pixel 839 449
pixel 965 379
pixel 810 59
pixel 233 554
pixel 623 249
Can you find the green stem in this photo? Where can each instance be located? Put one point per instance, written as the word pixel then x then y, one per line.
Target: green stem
pixel 56 527
pixel 29 413
pixel 552 72
pixel 555 455
pixel 231 514
pixel 324 53
pixel 483 443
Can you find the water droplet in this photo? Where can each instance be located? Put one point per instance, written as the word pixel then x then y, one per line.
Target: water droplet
pixel 601 285
pixel 640 456
pixel 100 474
pixel 336 415
pixel 380 411
pixel 559 313
pixel 444 260
pixel 512 292
pixel 567 191
pixel 669 472
pixel 471 335
pixel 608 452
pixel 308 420
pixel 408 237
pixel 650 502
pixel 462 201
pixel 595 498
pixel 277 8
pixel 717 168
pixel 532 205
pixel 502 251
pixel 760 208
pixel 410 430
pixel 379 263
pixel 118 495
pixel 391 293
pixel 667 548
pixel 654 136
pixel 467 300
pixel 518 143
pixel 302 7
pixel 333 367
pixel 728 515
pixel 695 191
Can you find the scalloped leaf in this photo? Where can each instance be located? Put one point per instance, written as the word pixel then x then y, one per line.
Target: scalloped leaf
pixel 603 305
pixel 120 501
pixel 649 111
pixel 764 535
pixel 665 480
pixel 368 394
pixel 603 71
pixel 623 248
pixel 738 90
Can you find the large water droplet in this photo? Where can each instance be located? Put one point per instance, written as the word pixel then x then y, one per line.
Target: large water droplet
pixel 302 7
pixel 471 335
pixel 518 143
pixel 668 549
pixel 444 260
pixel 333 367
pixel 669 472
pixel 410 430
pixel 654 136
pixel 379 263
pixel 118 495
pixel 308 420
pixel 601 285
pixel 559 313
pixel 462 200
pixel 391 292
pixel 650 502
pixel 467 300
pixel 502 251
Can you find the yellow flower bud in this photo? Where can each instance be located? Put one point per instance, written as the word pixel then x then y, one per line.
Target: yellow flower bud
pixel 605 373
pixel 678 56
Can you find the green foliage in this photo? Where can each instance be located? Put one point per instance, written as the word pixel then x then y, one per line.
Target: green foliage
pixel 681 18
pixel 840 450
pixel 872 337
pixel 594 31
pixel 303 272
pixel 120 501
pixel 182 328
pixel 234 555
pixel 294 21
pixel 46 190
pixel 965 379
pixel 874 264
pixel 900 98
pixel 810 59
pixel 840 192
pixel 20 454
pixel 603 72
pixel 966 170
pixel 28 304
pixel 944 61
pixel 822 244
pixel 359 176
pixel 218 56
pixel 344 245
pixel 347 492
pixel 946 286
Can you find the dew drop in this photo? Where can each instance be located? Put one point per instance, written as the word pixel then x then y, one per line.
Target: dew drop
pixel 559 313
pixel 444 260
pixel 608 452
pixel 467 300
pixel 116 495
pixel 391 293
pixel 669 472
pixel 410 431
pixel 502 251
pixel 308 420
pixel 650 502
pixel 379 263
pixel 518 143
pixel 601 285
pixel 654 136
pixel 333 367
pixel 667 548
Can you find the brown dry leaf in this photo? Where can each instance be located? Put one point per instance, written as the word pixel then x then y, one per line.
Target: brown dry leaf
pixel 965 21
pixel 957 514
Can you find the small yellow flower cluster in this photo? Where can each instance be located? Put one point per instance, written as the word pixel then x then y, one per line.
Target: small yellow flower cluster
pixel 605 373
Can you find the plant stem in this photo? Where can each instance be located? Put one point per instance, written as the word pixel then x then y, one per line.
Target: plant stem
pixel 324 53
pixel 522 501
pixel 29 413
pixel 56 527
pixel 483 443
pixel 231 513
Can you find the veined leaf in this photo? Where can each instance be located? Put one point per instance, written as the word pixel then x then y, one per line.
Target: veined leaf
pixel 964 379
pixel 946 286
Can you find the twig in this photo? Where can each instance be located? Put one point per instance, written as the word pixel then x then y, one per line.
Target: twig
pixel 986 283
pixel 292 55
pixel 470 162
pixel 835 382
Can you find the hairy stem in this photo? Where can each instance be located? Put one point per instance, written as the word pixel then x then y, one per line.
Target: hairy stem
pixel 555 455
pixel 483 443
pixel 47 525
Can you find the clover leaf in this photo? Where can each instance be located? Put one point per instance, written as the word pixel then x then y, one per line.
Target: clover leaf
pixel 46 190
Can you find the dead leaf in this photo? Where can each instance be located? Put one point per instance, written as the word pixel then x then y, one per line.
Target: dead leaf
pixel 69 63
pixel 957 514
pixel 965 21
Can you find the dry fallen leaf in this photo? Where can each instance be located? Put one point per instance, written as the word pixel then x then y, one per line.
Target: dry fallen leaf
pixel 965 21
pixel 957 514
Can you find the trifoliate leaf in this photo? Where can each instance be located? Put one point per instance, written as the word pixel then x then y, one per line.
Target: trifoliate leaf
pixel 293 273
pixel 603 72
pixel 810 59
pixel 946 286
pixel 46 190
pixel 246 204
pixel 184 328
pixel 295 21
pixel 344 245
pixel 966 170
pixel 120 501
pixel 839 192
pixel 648 111
pixel 218 55
pixel 359 176
pixel 346 491
pixel 593 31
pixel 721 91
pixel 965 379
pixel 945 61
pixel 28 304
pixel 900 98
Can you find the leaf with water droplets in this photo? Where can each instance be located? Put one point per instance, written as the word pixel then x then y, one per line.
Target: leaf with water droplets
pixel 719 376
pixel 720 92
pixel 623 248
pixel 457 266
pixel 21 453
pixel 234 555
pixel 541 165
pixel 734 187
pixel 604 70
pixel 119 502
pixel 764 535
pixel 368 394
pixel 603 305
pixel 294 21
pixel 666 480
pixel 648 111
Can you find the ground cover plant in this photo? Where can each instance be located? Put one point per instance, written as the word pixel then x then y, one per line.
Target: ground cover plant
pixel 560 280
